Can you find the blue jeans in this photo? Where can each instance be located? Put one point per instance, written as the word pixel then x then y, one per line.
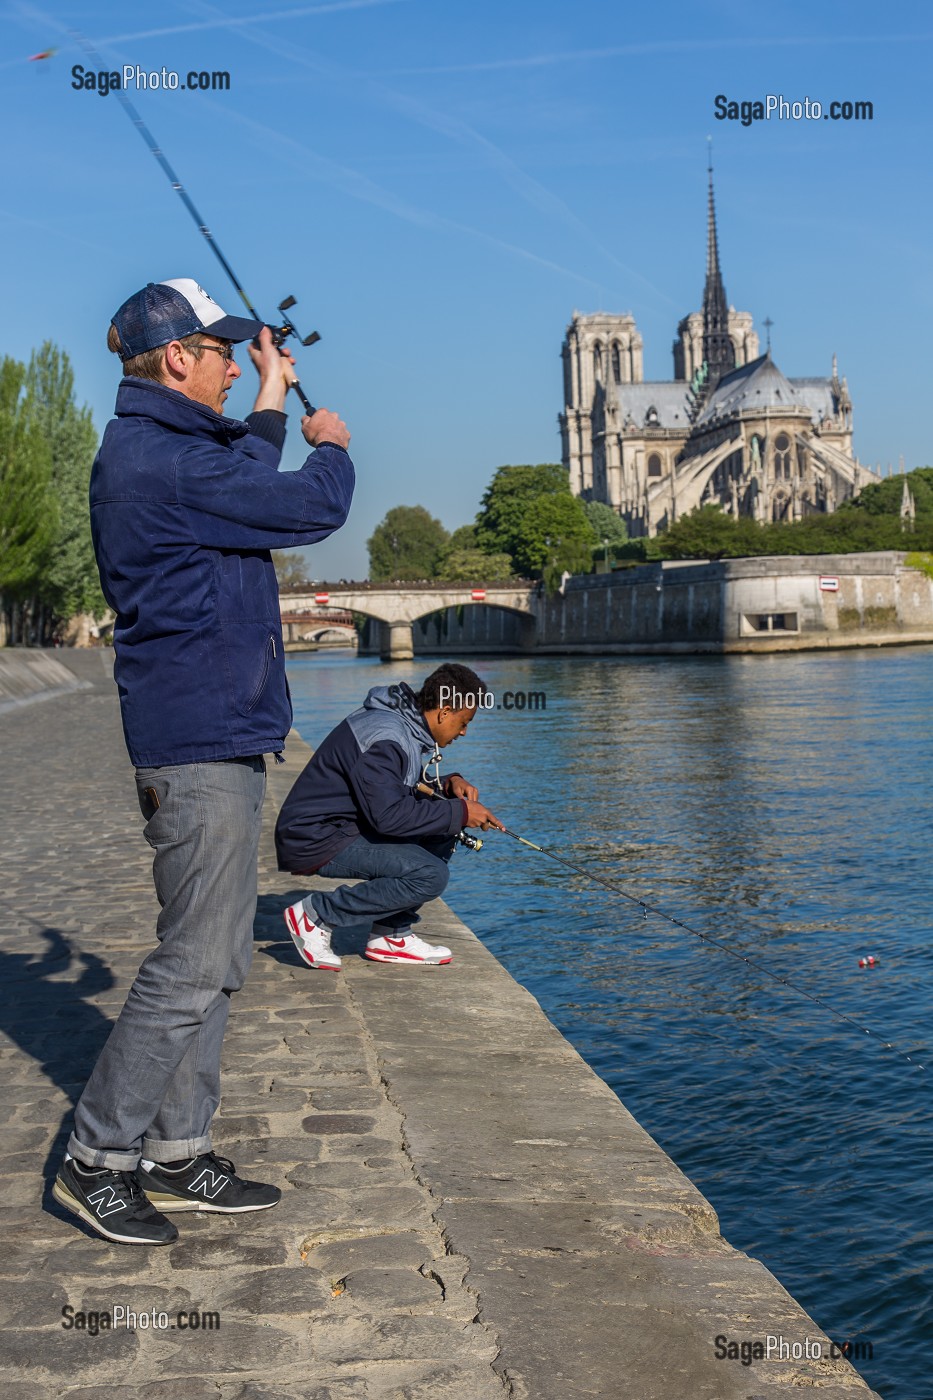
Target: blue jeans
pixel 398 877
pixel 156 1086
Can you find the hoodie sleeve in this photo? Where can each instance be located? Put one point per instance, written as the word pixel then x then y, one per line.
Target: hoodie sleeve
pixel 236 499
pixel 390 807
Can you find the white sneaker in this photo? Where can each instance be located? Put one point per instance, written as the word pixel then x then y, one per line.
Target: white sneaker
pixel 311 940
pixel 408 948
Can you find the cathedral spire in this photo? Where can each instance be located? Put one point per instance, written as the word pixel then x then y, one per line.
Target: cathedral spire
pixel 718 350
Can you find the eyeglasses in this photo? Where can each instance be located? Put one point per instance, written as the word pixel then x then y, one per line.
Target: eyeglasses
pixel 225 351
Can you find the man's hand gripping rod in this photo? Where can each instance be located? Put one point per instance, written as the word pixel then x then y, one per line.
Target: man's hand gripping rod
pixel 472 843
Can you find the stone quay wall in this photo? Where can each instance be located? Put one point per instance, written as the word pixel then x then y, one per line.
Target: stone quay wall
pixel 732 605
pixel 468 1211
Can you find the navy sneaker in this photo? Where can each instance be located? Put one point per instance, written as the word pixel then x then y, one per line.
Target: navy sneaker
pixel 207 1182
pixel 112 1203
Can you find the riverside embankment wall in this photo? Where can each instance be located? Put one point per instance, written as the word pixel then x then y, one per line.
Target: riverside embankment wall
pixel 731 605
pixel 468 1211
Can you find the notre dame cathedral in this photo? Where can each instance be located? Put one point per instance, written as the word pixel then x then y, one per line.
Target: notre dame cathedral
pixel 729 430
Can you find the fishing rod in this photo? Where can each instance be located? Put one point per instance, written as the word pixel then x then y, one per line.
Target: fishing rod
pixel 279 333
pixel 426 786
pixel 716 943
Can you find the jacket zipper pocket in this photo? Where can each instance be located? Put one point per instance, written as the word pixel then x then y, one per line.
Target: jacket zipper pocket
pixel 267 659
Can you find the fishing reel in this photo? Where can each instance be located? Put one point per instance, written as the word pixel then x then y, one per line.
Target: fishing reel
pixel 431 786
pixel 279 336
pixel 281 333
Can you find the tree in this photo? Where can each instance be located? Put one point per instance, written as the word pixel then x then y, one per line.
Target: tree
pixel 407 544
pixel 464 537
pixel 462 560
pixel 28 513
pixel 70 582
pixel 706 533
pixel 529 513
pixel 608 527
pixel 474 566
pixel 884 497
pixel 499 524
pixel 291 570
pixel 606 523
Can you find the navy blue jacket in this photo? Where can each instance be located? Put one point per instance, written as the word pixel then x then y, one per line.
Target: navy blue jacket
pixel 185 507
pixel 361 781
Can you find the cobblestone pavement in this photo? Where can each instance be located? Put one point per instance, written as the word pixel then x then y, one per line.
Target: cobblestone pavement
pixel 345 1289
pixel 468 1210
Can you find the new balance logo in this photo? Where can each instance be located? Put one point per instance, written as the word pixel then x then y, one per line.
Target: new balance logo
pixel 208 1184
pixel 106 1201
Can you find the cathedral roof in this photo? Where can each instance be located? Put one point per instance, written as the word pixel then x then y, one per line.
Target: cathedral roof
pixel 667 398
pixel 761 385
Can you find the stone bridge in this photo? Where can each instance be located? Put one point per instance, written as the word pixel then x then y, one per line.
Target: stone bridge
pixel 397 605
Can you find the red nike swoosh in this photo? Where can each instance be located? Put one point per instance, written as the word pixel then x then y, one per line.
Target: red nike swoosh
pixel 396 942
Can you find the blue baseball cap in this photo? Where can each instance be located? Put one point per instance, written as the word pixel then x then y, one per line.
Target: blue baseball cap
pixel 165 311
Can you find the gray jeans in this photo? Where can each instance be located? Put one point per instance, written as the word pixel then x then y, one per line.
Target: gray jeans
pixel 397 877
pixel 156 1086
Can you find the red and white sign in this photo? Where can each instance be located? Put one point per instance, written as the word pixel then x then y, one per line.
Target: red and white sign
pixel 829 584
pixel 478 595
pixel 322 598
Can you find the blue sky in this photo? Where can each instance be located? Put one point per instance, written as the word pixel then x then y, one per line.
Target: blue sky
pixel 442 185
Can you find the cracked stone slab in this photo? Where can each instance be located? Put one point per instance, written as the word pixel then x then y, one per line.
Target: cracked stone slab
pixel 385 1289
pixel 405 1250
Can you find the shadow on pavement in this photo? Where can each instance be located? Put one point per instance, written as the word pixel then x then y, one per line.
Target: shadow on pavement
pixel 49 1016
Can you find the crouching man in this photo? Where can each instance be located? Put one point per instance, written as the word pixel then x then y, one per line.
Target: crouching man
pixel 355 813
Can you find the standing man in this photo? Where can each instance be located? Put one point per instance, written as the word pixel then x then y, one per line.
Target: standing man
pixel 185 506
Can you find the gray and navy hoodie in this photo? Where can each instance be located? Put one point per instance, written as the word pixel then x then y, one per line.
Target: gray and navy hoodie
pixel 361 781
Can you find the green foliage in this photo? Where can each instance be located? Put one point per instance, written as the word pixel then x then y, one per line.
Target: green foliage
pixel 291 570
pixel 47 444
pixel 464 537
pixel 884 497
pixel 639 551
pixel 28 511
pixel 70 583
pixel 473 566
pixel 922 561
pixel 407 544
pixel 605 523
pixel 499 524
pixel 708 533
pixel 528 512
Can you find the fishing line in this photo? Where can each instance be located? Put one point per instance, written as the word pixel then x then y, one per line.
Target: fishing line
pixel 279 333
pixel 716 943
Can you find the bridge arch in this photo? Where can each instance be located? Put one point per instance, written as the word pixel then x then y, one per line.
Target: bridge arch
pixel 397 606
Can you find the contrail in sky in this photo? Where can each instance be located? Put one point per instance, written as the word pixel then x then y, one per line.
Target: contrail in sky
pixel 359 186
pixel 658 46
pixel 528 189
pixel 57 230
pixel 261 17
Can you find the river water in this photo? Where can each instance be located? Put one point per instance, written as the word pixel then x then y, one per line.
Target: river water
pixel 780 804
